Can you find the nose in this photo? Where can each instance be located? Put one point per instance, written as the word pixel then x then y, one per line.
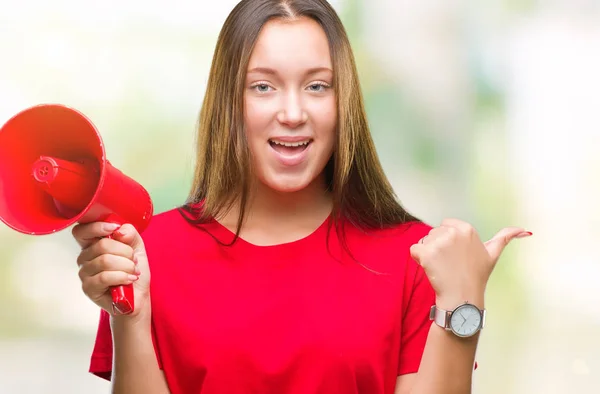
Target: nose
pixel 292 112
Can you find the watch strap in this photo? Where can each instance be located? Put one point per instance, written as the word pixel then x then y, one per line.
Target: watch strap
pixel 439 316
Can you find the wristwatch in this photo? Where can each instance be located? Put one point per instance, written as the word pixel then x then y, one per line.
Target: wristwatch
pixel 464 321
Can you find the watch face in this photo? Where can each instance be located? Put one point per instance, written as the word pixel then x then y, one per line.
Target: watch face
pixel 465 320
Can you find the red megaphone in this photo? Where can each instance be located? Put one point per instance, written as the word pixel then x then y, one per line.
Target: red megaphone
pixel 54 173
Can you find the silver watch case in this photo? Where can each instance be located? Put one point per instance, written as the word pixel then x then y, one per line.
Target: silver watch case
pixel 443 318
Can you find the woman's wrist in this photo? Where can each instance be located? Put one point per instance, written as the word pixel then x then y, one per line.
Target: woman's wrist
pixel 450 301
pixel 140 320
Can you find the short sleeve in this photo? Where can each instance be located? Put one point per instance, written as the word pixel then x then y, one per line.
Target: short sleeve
pixel 415 324
pixel 101 361
pixel 418 298
pixel 102 353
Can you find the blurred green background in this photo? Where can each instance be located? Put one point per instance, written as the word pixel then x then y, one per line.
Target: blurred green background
pixel 485 111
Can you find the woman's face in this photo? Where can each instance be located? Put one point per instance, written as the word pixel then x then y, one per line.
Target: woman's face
pixel 289 104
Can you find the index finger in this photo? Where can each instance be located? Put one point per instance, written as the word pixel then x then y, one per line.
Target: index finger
pixel 87 234
pixel 416 251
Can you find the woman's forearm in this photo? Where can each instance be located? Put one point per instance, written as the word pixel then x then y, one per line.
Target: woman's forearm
pixel 135 367
pixel 448 361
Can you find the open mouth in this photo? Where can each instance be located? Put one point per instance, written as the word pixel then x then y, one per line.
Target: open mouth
pixel 289 148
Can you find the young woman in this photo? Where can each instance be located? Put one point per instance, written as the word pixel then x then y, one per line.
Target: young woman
pixel 292 268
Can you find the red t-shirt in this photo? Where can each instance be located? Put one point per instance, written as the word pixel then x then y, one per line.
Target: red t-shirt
pixel 295 318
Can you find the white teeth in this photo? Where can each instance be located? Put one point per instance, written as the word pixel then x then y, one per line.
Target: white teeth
pixel 290 144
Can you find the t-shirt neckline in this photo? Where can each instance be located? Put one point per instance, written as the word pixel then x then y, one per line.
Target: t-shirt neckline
pixel 226 236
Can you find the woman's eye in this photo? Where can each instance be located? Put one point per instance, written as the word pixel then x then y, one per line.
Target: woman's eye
pixel 317 87
pixel 262 88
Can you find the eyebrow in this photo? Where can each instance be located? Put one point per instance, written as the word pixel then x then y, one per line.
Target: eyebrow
pixel 270 71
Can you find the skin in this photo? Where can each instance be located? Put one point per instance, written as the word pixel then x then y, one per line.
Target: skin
pixel 288 93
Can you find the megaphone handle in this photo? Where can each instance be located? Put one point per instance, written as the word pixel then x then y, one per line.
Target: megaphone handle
pixel 122 296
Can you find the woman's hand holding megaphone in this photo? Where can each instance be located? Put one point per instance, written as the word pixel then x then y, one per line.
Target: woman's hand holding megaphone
pixel 105 262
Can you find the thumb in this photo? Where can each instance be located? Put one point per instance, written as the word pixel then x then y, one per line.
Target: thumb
pixel 128 235
pixel 496 245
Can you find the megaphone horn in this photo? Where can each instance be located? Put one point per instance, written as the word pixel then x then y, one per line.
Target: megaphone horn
pixel 54 173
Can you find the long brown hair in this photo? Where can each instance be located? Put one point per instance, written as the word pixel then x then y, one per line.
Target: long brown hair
pixel 360 190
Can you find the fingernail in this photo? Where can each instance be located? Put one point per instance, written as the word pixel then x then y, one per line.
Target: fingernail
pixel 110 227
pixel 120 232
pixel 133 278
pixel 524 234
pixel 137 270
